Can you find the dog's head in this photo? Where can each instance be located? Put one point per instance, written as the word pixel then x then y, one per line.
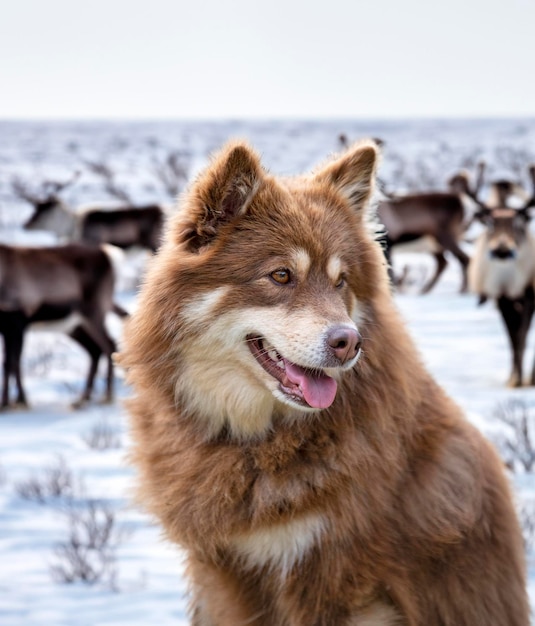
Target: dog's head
pixel 262 284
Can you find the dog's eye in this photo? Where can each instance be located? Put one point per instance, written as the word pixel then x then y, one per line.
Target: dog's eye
pixel 341 281
pixel 281 277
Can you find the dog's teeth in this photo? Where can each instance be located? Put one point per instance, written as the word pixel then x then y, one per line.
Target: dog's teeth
pixel 276 358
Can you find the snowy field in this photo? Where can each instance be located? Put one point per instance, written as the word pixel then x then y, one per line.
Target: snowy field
pixel 51 466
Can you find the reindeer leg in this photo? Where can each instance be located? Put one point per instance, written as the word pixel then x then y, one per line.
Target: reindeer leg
pixel 526 306
pixel 109 378
pixel 517 316
pixel 449 243
pixel 5 380
pixel 80 335
pixel 97 332
pixel 13 343
pixel 441 266
pixel 530 309
pixel 21 395
pixel 510 319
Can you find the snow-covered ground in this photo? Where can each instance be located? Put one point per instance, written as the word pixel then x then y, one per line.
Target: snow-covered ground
pixel 463 345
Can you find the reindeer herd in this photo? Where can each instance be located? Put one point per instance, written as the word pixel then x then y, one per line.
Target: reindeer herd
pixel 70 286
pixel 502 267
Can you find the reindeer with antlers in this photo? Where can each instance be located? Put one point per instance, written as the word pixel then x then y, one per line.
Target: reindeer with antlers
pixel 503 269
pixel 125 226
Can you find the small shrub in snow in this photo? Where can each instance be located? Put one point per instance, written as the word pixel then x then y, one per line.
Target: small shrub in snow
pixel 527 522
pixel 41 360
pixel 517 443
pixel 55 481
pixel 513 159
pixel 172 171
pixel 102 437
pixel 88 552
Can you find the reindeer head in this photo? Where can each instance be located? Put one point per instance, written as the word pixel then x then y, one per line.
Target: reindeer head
pixel 506 228
pixel 460 183
pixel 46 201
pixel 42 210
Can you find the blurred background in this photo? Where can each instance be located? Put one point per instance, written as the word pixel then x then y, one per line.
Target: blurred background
pixel 109 109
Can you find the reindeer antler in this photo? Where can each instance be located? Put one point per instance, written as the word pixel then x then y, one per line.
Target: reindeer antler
pixel 460 182
pixel 110 185
pixel 49 189
pixel 172 172
pixel 480 168
pixel 21 190
pixel 56 187
pixel 474 192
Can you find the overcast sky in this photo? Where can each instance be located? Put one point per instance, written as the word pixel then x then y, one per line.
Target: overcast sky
pixel 274 58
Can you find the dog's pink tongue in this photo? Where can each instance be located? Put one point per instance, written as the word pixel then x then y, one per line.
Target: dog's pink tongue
pixel 318 390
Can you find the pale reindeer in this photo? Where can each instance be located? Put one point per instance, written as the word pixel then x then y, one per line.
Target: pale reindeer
pixel 124 226
pixel 70 286
pixel 503 269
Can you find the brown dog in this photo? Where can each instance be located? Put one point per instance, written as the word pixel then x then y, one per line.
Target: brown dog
pixel 286 432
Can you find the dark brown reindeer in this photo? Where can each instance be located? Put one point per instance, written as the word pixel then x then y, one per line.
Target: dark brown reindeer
pixel 72 285
pixel 433 222
pixel 503 269
pixel 124 226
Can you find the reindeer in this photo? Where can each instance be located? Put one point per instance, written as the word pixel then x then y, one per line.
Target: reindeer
pixel 124 226
pixel 503 269
pixel 433 221
pixel 71 284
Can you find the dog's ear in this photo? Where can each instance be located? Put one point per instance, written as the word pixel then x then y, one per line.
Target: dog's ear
pixel 221 193
pixel 353 173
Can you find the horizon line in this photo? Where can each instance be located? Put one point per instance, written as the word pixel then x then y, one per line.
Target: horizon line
pixel 267 118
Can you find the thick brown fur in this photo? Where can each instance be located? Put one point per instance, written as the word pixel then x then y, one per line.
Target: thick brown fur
pixel 386 507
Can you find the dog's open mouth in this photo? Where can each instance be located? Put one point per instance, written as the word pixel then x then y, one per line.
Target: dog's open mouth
pixel 304 386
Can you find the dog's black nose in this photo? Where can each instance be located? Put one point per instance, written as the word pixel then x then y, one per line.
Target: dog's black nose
pixel 344 342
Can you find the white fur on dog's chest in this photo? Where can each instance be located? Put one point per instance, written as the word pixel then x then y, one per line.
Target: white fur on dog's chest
pixel 280 546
